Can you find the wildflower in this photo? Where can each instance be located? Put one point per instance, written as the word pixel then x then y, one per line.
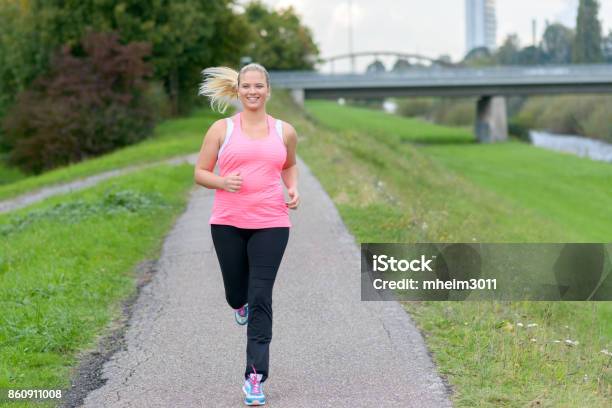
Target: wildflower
pixel 534 340
pixel 530 325
pixel 519 324
pixel 571 342
pixel 556 341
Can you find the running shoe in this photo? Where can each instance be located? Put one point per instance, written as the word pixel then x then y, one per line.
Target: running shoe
pixel 253 390
pixel 242 315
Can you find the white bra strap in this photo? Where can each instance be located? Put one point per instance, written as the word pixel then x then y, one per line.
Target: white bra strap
pixel 279 129
pixel 229 124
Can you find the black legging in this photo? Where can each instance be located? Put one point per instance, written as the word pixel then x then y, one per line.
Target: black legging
pixel 249 260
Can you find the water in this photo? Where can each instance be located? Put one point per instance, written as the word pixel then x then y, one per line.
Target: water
pixel 581 146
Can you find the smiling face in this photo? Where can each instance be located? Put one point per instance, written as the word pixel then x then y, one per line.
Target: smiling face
pixel 253 90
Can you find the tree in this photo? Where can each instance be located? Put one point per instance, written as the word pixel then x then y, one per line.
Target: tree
pixel 557 44
pixel 508 53
pixel 92 101
pixel 401 65
pixel 279 40
pixel 375 67
pixel 20 58
pixel 529 56
pixel 186 35
pixel 607 47
pixel 480 56
pixel 443 60
pixel 587 43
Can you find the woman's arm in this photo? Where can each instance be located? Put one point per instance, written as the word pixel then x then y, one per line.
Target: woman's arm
pixel 204 169
pixel 290 170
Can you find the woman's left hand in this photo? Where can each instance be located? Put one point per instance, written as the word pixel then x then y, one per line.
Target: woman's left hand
pixel 294 195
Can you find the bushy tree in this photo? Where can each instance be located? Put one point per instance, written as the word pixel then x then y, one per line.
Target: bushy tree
pixel 480 56
pixel 279 40
pixel 21 59
pixel 375 66
pixel 401 65
pixel 587 43
pixel 508 53
pixel 90 103
pixel 529 56
pixel 607 47
pixel 186 36
pixel 557 44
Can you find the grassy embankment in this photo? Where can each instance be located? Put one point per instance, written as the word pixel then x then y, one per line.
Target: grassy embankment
pixel 67 262
pixel 401 180
pixel 403 193
pixel 171 138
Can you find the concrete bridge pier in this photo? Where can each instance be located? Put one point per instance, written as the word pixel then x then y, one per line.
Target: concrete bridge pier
pixel 491 121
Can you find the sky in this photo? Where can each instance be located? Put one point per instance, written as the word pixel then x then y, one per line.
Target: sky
pixel 431 28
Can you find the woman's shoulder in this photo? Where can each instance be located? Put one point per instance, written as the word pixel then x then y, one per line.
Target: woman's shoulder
pixel 223 121
pixel 218 129
pixel 288 130
pixel 287 127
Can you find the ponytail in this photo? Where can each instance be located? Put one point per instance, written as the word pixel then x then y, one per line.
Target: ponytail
pixel 220 84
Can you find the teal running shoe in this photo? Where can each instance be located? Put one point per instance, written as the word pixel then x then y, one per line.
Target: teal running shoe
pixel 253 390
pixel 242 315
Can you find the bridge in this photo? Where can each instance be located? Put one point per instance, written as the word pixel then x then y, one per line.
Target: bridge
pixel 376 54
pixel 491 85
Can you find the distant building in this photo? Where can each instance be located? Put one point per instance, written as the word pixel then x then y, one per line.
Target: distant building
pixel 480 24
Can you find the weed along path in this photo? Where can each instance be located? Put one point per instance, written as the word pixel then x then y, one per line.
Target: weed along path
pixel 182 347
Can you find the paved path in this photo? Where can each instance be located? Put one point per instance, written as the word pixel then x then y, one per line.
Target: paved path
pixel 329 349
pixel 45 192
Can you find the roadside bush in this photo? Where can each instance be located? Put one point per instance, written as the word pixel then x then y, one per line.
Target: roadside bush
pixel 372 103
pixel 455 111
pixel 517 129
pixel 599 123
pixel 91 102
pixel 445 111
pixel 420 107
pixel 156 96
pixel 586 115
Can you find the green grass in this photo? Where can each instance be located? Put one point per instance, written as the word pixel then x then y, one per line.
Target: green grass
pixel 492 361
pixel 370 121
pixel 9 174
pixel 66 262
pixel 448 189
pixel 171 138
pixel 569 190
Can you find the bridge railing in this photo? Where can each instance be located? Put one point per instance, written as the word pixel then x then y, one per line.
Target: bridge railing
pixel 524 74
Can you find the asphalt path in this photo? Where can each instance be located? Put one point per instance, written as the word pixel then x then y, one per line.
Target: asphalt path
pixel 182 347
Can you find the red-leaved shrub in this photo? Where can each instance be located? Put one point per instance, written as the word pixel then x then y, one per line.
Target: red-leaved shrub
pixel 90 103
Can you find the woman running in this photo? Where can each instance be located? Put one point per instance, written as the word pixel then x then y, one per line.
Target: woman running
pixel 250 219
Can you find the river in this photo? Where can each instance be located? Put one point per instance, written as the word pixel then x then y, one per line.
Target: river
pixel 581 146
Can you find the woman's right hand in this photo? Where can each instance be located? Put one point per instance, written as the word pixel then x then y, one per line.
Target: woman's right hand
pixel 232 182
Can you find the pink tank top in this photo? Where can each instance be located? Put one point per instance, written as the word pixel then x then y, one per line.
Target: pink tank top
pixel 260 202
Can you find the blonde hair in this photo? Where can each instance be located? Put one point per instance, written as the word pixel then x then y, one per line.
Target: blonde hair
pixel 220 84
